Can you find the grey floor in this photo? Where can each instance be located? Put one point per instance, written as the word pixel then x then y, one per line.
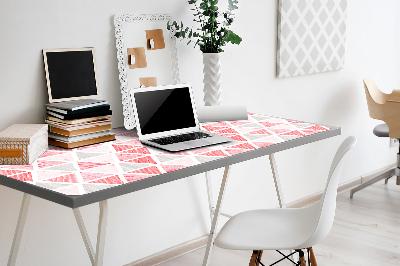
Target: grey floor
pixel 366 232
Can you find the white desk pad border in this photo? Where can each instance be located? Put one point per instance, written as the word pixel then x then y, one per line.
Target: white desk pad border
pixel 92 168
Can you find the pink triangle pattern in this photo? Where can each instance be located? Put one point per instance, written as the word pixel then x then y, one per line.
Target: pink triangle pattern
pixel 109 180
pixel 88 176
pixel 135 177
pixel 45 163
pixel 89 165
pixel 147 159
pixel 105 163
pixel 171 168
pixel 148 170
pixel 70 178
pixel 27 176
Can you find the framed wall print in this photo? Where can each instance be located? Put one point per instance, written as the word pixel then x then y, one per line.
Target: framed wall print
pixel 146 53
pixel 311 36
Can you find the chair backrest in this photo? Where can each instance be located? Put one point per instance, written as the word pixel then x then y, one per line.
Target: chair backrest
pixel 382 106
pixel 327 203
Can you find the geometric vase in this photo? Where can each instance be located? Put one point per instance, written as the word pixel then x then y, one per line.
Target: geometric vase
pixel 212 75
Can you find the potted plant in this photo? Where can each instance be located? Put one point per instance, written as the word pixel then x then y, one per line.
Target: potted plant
pixel 212 35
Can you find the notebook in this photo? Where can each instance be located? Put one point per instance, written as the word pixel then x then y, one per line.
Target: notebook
pixel 166 118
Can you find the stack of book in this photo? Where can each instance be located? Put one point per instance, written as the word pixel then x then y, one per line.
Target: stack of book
pixel 79 123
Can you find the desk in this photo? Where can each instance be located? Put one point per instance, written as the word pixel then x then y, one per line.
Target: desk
pixel 75 178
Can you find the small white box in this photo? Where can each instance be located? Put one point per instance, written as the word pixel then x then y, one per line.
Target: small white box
pixel 23 143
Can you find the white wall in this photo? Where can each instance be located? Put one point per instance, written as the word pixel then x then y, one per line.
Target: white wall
pixel 148 221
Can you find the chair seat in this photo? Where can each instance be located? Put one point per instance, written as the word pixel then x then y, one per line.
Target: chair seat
pixel 381 130
pixel 269 229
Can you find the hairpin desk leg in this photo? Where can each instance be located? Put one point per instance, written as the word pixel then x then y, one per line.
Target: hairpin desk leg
pixel 19 230
pixel 210 194
pixel 216 217
pixel 277 182
pixel 95 258
pixel 85 236
pixel 278 187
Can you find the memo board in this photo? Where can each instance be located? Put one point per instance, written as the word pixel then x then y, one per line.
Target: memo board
pixel 148 64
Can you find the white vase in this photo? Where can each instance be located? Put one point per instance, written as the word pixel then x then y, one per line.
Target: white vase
pixel 212 75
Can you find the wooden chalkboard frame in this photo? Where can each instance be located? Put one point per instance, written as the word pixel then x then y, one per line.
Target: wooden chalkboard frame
pixel 51 99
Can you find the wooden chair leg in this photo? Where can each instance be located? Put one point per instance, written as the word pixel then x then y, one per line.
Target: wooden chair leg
pixel 255 257
pixel 313 260
pixel 302 259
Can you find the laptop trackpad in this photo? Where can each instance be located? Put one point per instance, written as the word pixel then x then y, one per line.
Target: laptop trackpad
pixel 199 142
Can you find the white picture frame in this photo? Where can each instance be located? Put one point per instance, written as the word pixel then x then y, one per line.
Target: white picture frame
pixel 130 33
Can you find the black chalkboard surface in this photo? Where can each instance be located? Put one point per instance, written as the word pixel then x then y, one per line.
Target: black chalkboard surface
pixel 70 73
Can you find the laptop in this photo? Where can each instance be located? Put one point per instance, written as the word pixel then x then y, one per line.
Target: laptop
pixel 166 118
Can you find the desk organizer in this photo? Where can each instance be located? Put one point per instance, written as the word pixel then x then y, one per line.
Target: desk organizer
pixel 22 143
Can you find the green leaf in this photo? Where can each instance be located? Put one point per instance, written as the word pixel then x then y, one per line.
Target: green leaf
pixel 233 38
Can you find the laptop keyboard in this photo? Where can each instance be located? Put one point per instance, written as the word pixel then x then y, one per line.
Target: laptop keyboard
pixel 180 138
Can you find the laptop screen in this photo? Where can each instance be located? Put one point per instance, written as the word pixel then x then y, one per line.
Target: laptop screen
pixel 164 110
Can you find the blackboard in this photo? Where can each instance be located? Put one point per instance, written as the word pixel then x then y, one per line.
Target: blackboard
pixel 70 73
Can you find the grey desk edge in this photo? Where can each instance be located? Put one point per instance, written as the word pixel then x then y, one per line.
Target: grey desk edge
pixel 86 199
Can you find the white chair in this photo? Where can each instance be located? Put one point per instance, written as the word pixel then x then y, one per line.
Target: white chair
pixel 287 229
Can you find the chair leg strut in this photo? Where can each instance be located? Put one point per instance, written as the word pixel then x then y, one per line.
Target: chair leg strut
pixel 257 254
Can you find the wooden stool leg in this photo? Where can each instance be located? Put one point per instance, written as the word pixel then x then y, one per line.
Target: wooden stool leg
pixel 255 258
pixel 313 260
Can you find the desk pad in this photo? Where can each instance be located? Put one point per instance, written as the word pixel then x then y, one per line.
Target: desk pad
pixel 92 168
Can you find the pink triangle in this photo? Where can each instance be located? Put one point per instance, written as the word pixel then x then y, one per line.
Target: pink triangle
pixel 119 148
pixel 170 168
pixel 294 133
pixel 126 156
pixel 246 146
pixel 50 153
pixel 260 132
pixel 27 176
pixel 213 128
pixel 70 178
pixel 89 165
pixel 148 170
pixel 135 177
pixel 269 124
pixel 214 153
pixel 108 180
pixel 228 131
pixel 237 137
pixel 45 163
pixel 219 124
pixel 87 176
pixel 238 123
pixel 11 172
pixel 138 150
pixel 147 159
pixel 263 144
